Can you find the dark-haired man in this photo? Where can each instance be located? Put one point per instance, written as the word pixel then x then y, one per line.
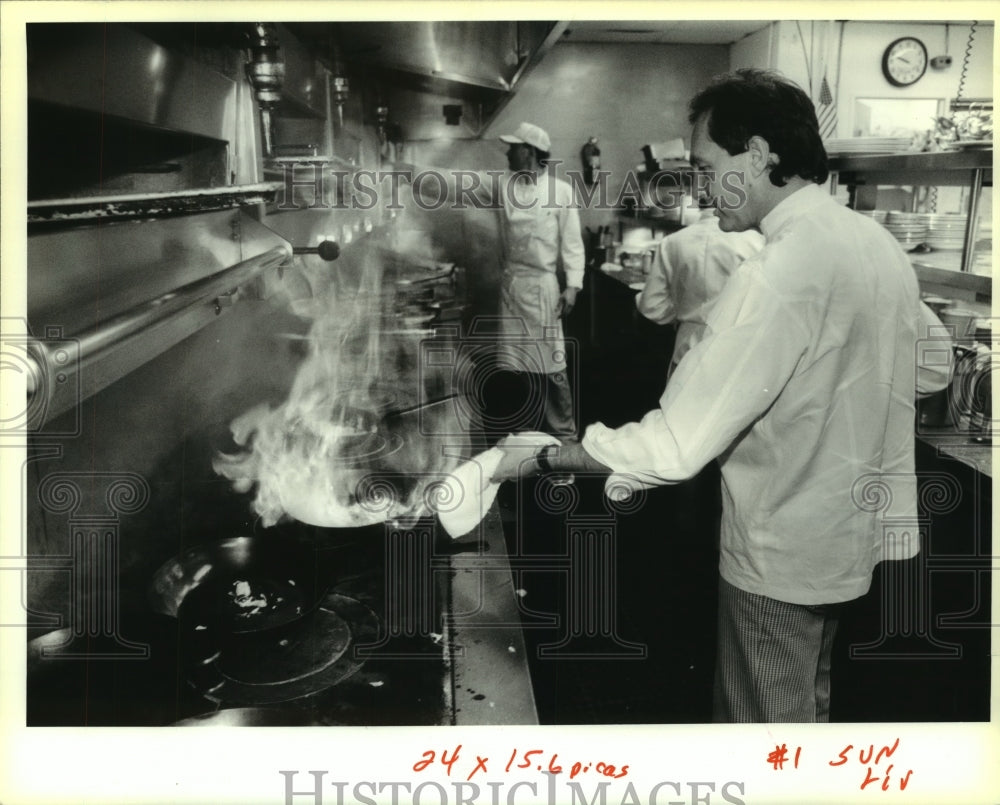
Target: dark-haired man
pixel 803 387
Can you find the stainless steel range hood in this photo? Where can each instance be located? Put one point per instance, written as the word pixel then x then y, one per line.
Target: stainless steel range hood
pixel 419 68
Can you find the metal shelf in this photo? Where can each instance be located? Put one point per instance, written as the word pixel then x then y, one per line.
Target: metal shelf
pixel 940 160
pixel 952 277
pixel 149 205
pixel 970 167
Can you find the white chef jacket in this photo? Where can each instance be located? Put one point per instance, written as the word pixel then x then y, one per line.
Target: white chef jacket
pixel 540 227
pixel 803 387
pixel 688 272
pixel 540 232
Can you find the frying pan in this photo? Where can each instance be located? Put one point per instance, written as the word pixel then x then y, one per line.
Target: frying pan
pixel 240 585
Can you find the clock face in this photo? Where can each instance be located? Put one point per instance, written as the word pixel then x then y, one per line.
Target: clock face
pixel 904 61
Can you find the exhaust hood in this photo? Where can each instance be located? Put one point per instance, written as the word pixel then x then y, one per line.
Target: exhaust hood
pixel 440 79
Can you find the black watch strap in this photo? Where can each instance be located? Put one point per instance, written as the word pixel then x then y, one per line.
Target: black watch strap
pixel 542 459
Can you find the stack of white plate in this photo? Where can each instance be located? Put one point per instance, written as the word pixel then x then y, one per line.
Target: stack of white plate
pixel 945 231
pixel 907 227
pixel 877 215
pixel 868 145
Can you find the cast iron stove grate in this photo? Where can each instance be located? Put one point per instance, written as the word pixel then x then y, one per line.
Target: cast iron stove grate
pixel 280 665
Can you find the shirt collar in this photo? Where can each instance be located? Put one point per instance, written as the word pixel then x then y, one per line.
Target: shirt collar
pixel 791 207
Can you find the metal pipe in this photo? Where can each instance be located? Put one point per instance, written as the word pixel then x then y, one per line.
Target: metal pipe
pixel 969 246
pixel 58 376
pixel 266 73
pixel 148 313
pixel 329 250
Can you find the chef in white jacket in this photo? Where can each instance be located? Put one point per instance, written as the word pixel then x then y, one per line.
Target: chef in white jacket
pixel 803 387
pixel 540 232
pixel 539 227
pixel 689 270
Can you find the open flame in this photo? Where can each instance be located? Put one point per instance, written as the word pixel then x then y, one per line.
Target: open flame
pixel 330 455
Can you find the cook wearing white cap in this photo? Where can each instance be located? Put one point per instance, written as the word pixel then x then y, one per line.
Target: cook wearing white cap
pixel 541 231
pixel 529 134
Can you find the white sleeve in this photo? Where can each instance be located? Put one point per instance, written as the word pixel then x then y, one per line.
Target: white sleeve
pixel 718 390
pixel 571 242
pixel 656 300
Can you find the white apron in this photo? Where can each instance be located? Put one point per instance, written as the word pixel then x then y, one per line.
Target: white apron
pixel 531 333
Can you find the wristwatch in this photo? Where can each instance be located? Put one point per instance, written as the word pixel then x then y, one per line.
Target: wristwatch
pixel 542 459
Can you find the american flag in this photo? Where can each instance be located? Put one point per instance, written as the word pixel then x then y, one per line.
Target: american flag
pixel 826 112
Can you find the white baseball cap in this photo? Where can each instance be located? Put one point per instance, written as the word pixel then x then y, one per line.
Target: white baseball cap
pixel 531 134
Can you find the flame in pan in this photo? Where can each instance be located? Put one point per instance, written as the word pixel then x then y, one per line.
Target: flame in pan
pixel 326 456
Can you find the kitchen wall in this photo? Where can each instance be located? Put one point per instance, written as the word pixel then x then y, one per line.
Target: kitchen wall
pixel 625 95
pixel 853 51
pixel 850 53
pixel 754 50
pixel 629 95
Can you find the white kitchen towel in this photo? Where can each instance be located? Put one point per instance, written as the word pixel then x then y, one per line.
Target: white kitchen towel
pixel 470 490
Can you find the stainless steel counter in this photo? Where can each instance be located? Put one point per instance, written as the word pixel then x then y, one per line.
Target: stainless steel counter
pixel 631 278
pixel 955 442
pixel 489 658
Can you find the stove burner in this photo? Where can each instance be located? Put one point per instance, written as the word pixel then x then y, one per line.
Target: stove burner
pixel 289 659
pixel 280 665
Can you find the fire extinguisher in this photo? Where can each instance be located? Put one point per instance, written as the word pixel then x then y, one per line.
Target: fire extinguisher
pixel 591 156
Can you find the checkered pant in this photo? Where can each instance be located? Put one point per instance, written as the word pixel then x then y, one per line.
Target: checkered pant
pixel 773 661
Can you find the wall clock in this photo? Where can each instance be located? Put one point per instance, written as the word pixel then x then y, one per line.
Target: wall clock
pixel 904 61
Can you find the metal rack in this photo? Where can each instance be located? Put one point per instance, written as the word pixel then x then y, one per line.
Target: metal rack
pixel 138 206
pixel 972 168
